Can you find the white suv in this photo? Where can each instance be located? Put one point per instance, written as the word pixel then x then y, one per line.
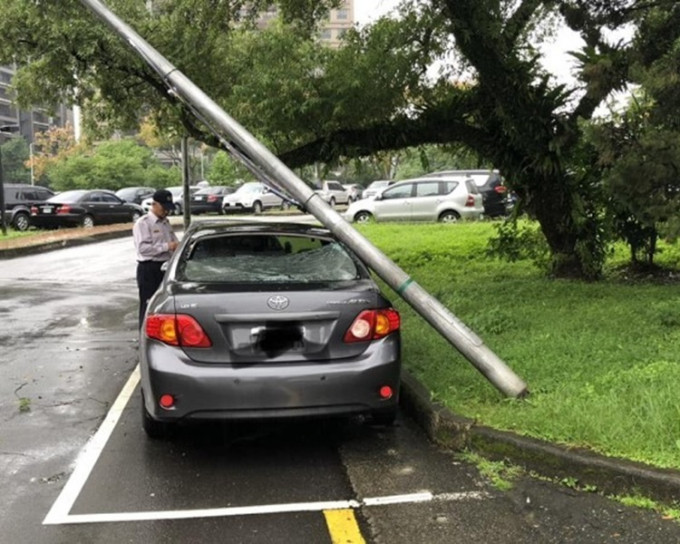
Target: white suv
pixel 332 192
pixel 253 197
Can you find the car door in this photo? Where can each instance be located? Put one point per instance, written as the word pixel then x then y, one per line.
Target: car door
pixel 394 204
pixel 116 209
pixel 425 202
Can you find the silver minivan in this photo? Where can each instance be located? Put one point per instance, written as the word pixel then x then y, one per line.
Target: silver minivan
pixel 446 200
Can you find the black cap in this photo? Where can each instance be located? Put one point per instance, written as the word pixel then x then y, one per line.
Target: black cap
pixel 164 197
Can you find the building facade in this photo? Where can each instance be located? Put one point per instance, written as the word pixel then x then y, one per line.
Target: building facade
pixel 27 123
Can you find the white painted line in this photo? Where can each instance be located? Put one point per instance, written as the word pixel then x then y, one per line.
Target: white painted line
pixel 114 517
pixel 425 496
pixel 59 513
pixel 212 512
pixel 89 455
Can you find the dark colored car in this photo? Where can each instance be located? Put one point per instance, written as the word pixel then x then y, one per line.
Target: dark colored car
pixel 19 198
pixel 490 184
pixel 135 194
pixel 267 320
pixel 83 208
pixel 209 199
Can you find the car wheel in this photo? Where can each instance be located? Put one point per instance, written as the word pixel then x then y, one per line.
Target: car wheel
pixel 331 202
pixel 285 205
pixel 135 216
pixel 87 222
pixel 178 209
pixel 21 221
pixel 449 216
pixel 363 217
pixel 257 207
pixel 153 428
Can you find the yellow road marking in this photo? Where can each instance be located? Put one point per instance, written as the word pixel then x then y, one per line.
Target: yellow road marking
pixel 343 527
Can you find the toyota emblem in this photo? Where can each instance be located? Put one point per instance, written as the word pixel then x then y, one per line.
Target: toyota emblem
pixel 278 302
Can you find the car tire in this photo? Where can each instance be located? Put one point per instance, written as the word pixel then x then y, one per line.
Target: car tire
pixel 21 221
pixel 154 429
pixel 449 216
pixel 285 205
pixel 257 207
pixel 331 202
pixel 87 222
pixel 135 216
pixel 178 209
pixel 363 217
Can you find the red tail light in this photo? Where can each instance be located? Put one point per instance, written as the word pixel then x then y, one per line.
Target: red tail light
pixel 177 330
pixel 470 202
pixel 34 210
pixel 64 208
pixel 212 198
pixel 372 325
pixel 500 189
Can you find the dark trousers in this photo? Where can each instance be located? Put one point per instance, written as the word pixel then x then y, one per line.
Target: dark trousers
pixel 149 278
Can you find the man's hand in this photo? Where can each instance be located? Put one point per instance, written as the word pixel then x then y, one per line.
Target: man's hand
pixel 172 246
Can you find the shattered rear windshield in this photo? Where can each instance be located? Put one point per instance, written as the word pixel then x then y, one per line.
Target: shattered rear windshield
pixel 266 258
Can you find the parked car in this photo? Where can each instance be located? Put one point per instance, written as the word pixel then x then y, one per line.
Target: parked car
pixel 376 187
pixel 332 192
pixel 177 198
pixel 423 199
pixel 209 199
pixel 497 201
pixel 270 320
pixel 354 191
pixel 19 198
pixel 135 194
pixel 253 197
pixel 82 208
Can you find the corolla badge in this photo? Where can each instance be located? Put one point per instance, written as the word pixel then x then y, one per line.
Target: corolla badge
pixel 278 302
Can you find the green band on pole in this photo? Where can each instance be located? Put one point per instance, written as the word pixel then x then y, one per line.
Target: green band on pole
pixel 404 285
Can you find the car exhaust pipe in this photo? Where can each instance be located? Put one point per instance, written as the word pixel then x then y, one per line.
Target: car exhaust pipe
pixel 269 169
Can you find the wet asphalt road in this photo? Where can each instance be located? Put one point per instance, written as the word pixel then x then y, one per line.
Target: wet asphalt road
pixel 67 330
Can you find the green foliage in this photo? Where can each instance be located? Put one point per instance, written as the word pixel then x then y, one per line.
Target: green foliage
pixel 112 165
pixel 225 170
pixel 592 382
pixel 518 240
pixel 15 153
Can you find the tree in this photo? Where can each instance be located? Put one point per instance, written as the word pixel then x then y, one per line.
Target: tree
pixel 111 165
pixel 50 147
pixel 14 154
pixel 376 94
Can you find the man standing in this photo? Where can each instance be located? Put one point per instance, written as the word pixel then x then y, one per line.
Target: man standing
pixel 155 242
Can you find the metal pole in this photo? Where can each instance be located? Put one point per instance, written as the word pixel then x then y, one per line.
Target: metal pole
pixel 3 225
pixel 252 152
pixel 30 153
pixel 186 182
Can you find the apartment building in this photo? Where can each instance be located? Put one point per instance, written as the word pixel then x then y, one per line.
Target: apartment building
pixel 26 122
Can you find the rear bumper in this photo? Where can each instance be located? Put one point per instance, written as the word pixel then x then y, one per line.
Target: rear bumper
pixel 269 390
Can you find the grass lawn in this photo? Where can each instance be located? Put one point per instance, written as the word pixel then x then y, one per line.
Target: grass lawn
pixel 602 359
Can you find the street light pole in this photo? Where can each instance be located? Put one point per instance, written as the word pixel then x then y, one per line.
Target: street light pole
pixel 30 158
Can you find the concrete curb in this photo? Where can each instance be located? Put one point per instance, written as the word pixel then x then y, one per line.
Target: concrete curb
pixel 609 475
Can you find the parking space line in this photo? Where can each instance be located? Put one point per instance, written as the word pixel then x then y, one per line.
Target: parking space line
pixel 59 514
pixel 89 455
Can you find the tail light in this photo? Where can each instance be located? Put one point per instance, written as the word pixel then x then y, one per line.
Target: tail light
pixel 177 330
pixel 212 198
pixel 64 208
pixel 500 189
pixel 470 202
pixel 372 325
pixel 34 210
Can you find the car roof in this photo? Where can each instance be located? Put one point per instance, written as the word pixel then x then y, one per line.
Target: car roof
pixel 213 227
